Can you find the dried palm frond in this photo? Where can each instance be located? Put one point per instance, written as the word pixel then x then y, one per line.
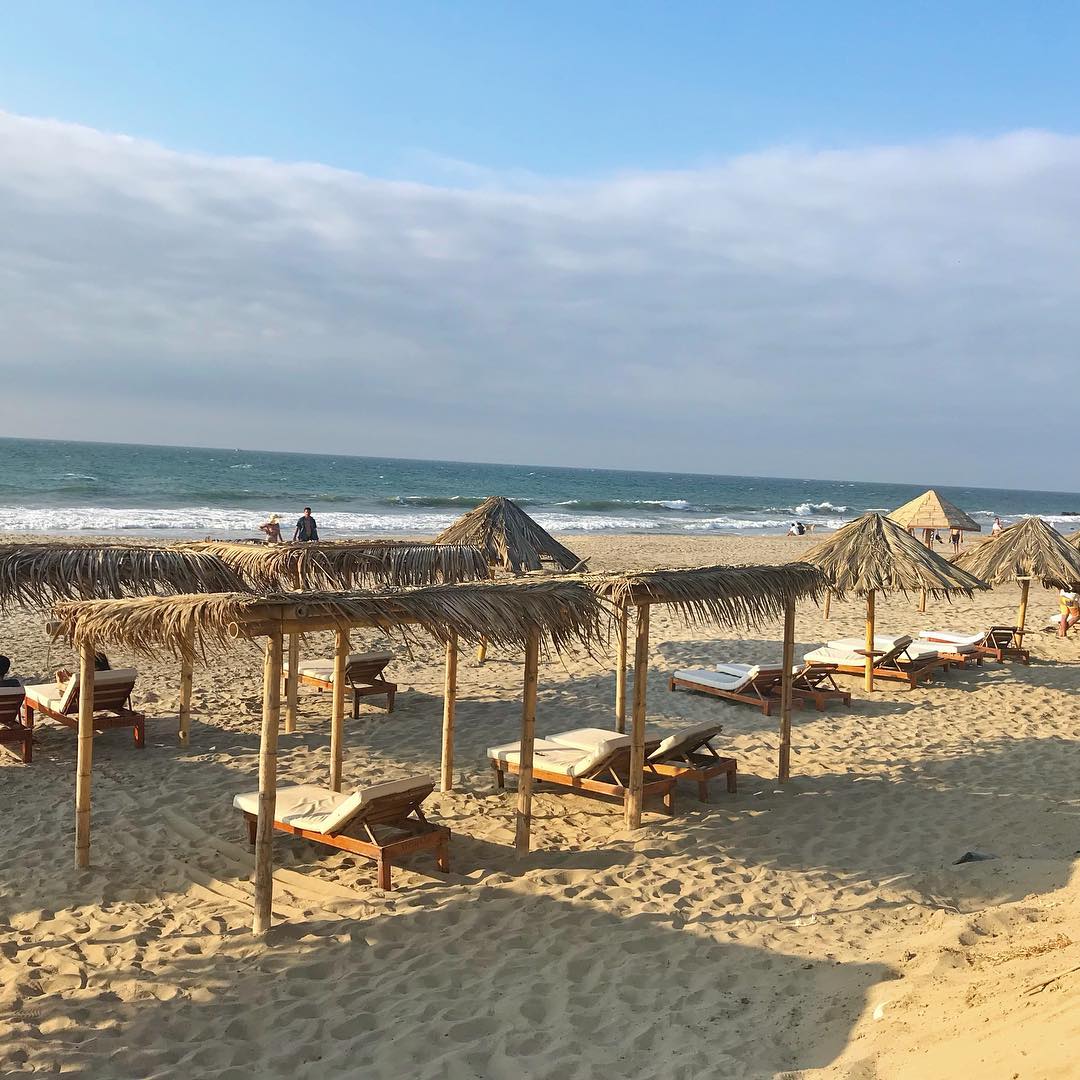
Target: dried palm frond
pixel 508 537
pixel 1029 549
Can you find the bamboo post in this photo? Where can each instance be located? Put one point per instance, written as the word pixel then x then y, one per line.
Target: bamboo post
pixel 337 714
pixel 870 658
pixel 828 604
pixel 620 670
pixel 292 683
pixel 632 807
pixel 481 652
pixel 523 824
pixel 1021 614
pixel 187 665
pixel 449 704
pixel 922 600
pixel 85 756
pixel 784 769
pixel 264 834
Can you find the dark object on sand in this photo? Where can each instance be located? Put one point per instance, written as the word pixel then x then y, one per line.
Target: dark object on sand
pixel 973 856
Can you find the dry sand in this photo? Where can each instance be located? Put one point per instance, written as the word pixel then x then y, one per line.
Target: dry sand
pixel 816 930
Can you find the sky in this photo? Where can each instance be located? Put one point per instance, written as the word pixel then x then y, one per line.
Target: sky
pixel 778 239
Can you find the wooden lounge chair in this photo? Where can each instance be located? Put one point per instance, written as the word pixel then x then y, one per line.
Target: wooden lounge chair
pixel 815 682
pixel 956 654
pixel 363 674
pixel 322 816
pixel 599 764
pixel 112 703
pixel 12 729
pixel 690 755
pixel 1001 642
pixel 751 685
pixel 846 656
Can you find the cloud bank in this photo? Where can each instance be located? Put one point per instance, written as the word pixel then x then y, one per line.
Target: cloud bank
pixel 897 313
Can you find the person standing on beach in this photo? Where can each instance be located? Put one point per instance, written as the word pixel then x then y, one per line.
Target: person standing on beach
pixel 307 528
pixel 1069 608
pixel 955 536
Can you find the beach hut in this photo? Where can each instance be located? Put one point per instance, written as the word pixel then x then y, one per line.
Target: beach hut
pixel 509 538
pixel 1030 549
pixel 523 616
pixel 873 554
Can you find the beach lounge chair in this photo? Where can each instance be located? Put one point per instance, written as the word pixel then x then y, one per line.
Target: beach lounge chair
pixel 690 755
pixel 363 675
pixel 846 656
pixel 112 702
pixel 1001 642
pixel 12 729
pixel 750 684
pixel 322 816
pixel 956 654
pixel 595 761
pixel 815 682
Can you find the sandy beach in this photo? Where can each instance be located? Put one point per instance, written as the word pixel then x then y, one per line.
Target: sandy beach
pixel 816 929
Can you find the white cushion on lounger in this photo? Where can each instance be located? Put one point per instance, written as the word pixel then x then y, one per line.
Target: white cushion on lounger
pixel 828 655
pixel 718 680
pixel 738 670
pixel 591 740
pixel 882 642
pixel 691 737
pixel 324 669
pixel 919 650
pixel 952 638
pixel 511 752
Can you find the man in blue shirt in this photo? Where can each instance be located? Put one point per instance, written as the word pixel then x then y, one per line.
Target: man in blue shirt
pixel 306 527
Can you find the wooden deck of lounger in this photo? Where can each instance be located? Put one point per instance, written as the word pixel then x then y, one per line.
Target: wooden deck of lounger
pixel 12 730
pixel 112 709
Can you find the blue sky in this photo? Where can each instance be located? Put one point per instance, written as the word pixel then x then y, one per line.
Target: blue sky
pixel 563 89
pixel 789 239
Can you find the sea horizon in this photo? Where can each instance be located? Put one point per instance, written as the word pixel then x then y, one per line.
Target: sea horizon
pixel 97 488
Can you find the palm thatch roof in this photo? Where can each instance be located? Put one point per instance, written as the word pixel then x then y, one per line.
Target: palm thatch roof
pixel 931 511
pixel 508 537
pixel 1029 549
pixel 564 613
pixel 730 595
pixel 37 574
pixel 348 564
pixel 873 553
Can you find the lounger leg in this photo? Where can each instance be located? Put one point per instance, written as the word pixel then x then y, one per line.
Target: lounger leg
pixel 390 700
pixel 384 873
pixel 500 781
pixel 732 781
pixel 139 731
pixel 703 791
pixel 442 853
pixel 252 829
pixel 355 706
pixel 28 713
pixel 28 748
pixel 669 801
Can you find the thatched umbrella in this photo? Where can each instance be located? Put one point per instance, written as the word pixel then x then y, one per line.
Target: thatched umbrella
pixel 931 511
pixel 1029 549
pixel 516 615
pixel 873 554
pixel 509 538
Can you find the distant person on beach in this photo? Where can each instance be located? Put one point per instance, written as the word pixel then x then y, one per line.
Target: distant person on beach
pixel 1069 606
pixel 996 530
pixel 5 678
pixel 307 528
pixel 797 529
pixel 272 529
pixel 955 535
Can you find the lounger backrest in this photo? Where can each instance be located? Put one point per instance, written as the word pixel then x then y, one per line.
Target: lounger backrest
pixel 367 802
pixel 11 699
pixel 686 741
pixel 613 752
pixel 111 690
pixel 1001 637
pixel 360 667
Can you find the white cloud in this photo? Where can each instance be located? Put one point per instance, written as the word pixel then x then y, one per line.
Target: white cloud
pixel 904 313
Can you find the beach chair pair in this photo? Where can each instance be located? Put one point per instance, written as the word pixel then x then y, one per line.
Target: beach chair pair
pixel 390 816
pixel 1000 642
pixel 759 686
pixel 13 732
pixel 896 659
pixel 363 676
pixel 112 703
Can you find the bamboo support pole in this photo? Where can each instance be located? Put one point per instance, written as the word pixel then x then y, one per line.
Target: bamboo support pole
pixel 632 808
pixel 85 756
pixel 523 824
pixel 828 605
pixel 870 658
pixel 481 652
pixel 621 621
pixel 292 683
pixel 1021 614
pixel 449 705
pixel 264 835
pixel 784 766
pixel 922 600
pixel 187 672
pixel 337 713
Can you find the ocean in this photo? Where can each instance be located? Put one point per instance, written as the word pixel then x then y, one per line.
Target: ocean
pixel 102 488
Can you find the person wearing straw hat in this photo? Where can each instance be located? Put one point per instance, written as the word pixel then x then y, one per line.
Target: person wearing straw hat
pixel 272 528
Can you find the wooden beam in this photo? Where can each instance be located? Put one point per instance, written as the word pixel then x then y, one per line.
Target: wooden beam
pixel 337 713
pixel 449 705
pixel 523 824
pixel 264 835
pixel 1021 614
pixel 784 767
pixel 621 627
pixel 187 665
pixel 292 683
pixel 632 806
pixel 868 679
pixel 85 756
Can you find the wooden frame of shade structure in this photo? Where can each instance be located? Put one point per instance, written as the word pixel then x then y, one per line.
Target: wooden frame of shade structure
pixel 516 615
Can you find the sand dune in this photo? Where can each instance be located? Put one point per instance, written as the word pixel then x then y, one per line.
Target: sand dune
pixel 819 929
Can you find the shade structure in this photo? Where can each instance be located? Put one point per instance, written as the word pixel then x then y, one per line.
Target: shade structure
pixel 509 538
pixel 1030 550
pixel 873 554
pixel 555 612
pixel 931 511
